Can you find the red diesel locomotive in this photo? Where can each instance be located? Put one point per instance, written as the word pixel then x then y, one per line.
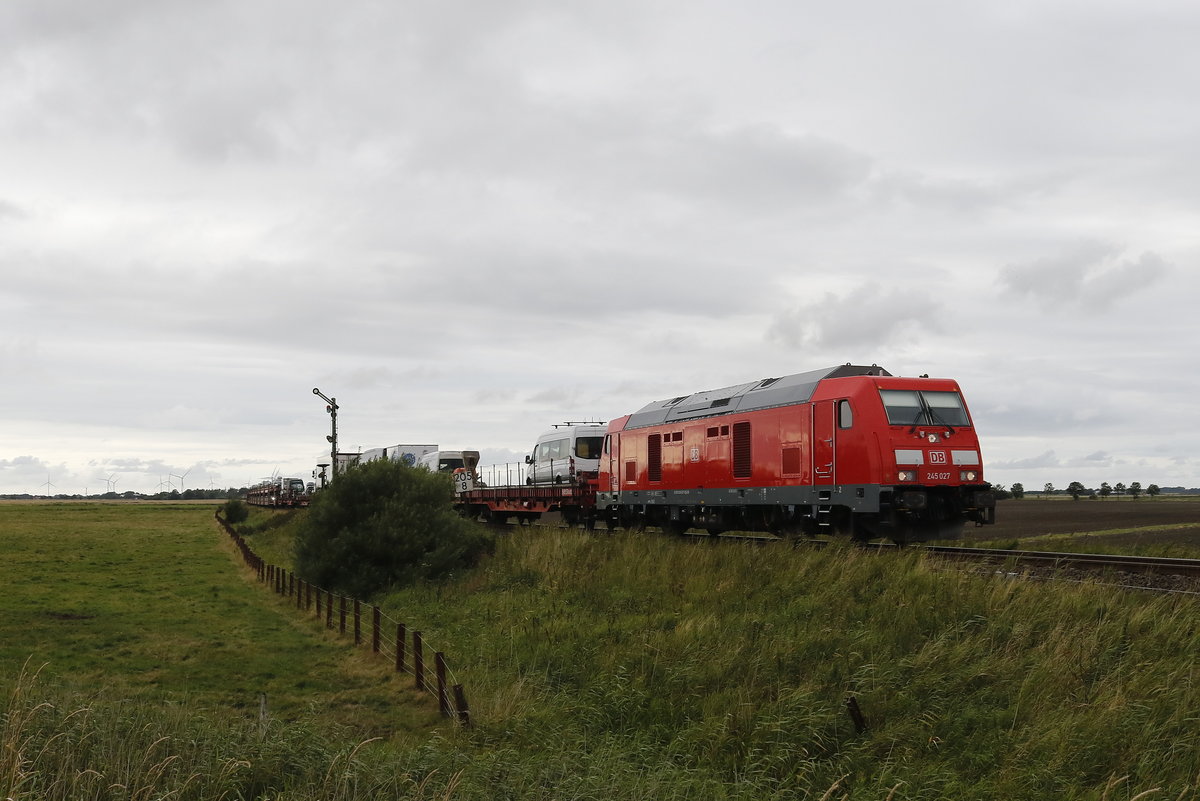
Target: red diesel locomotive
pixel 850 449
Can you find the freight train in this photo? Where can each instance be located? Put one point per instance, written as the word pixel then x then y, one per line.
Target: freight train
pixel 850 449
pixel 279 493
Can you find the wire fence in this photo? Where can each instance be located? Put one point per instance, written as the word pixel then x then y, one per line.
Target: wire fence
pixel 389 638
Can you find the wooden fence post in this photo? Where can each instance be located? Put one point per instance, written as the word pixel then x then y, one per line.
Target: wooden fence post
pixel 418 661
pixel 439 660
pixel 328 609
pixel 341 614
pixel 460 702
pixel 375 629
pixel 856 715
pixel 401 636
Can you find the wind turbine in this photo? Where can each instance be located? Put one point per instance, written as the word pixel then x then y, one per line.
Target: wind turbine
pixel 48 485
pixel 112 485
pixel 185 472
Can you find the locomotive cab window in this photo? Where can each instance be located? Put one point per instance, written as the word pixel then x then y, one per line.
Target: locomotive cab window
pixel 845 414
pixel 910 407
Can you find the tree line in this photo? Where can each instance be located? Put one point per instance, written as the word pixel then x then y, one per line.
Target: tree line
pixel 1077 490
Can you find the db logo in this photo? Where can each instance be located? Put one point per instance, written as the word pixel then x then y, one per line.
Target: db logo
pixel 937 457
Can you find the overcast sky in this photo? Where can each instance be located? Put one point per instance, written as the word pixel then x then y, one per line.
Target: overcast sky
pixel 468 220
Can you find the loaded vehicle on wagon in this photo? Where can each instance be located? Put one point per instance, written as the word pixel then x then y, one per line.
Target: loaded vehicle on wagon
pixel 449 461
pixel 850 449
pixel 569 453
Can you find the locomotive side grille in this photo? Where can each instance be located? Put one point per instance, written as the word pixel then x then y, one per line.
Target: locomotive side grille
pixel 654 455
pixel 741 450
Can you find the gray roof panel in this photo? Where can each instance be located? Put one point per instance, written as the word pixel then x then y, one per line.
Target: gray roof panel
pixel 763 394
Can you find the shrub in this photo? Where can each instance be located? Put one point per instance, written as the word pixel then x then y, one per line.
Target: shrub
pixel 383 525
pixel 235 511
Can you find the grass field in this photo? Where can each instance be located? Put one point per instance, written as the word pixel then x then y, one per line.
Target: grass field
pixel 145 601
pixel 599 667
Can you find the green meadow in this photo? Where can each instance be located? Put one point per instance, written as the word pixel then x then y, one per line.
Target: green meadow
pixel 136 649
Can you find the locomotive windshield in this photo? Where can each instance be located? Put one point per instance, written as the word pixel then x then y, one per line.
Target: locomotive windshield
pixel 910 407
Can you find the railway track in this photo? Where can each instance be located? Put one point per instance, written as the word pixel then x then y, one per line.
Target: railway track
pixel 1163 574
pixel 1096 562
pixel 1154 573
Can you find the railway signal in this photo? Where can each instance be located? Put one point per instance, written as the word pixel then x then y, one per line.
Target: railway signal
pixel 331 408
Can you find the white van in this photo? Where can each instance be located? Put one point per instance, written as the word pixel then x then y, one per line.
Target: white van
pixel 566 454
pixel 449 461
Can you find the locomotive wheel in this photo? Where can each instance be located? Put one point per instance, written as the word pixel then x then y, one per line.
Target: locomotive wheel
pixel 675 528
pixel 633 522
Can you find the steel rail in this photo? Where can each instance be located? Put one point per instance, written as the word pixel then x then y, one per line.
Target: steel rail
pixel 1092 561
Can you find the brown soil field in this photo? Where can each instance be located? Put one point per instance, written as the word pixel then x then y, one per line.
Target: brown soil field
pixel 1159 520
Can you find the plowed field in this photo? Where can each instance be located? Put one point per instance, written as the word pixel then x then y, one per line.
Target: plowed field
pixel 1159 519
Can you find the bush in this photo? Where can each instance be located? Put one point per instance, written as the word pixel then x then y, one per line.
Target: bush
pixel 384 525
pixel 235 511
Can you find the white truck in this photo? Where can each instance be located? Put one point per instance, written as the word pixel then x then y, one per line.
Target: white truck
pixel 409 454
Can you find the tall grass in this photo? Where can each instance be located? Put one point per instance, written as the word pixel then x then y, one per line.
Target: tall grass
pixel 63 746
pixel 730 666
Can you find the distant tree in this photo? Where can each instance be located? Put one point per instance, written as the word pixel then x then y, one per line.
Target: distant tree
pixel 1135 489
pixel 1105 490
pixel 1119 488
pixel 1018 490
pixel 1153 490
pixel 1076 489
pixel 1000 492
pixel 1048 489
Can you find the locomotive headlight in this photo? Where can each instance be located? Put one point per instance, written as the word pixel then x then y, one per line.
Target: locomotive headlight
pixel 908 475
pixel 968 475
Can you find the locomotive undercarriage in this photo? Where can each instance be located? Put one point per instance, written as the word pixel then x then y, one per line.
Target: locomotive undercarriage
pixel 902 514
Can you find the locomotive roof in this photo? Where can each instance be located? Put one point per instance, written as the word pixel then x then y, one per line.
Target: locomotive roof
pixel 762 394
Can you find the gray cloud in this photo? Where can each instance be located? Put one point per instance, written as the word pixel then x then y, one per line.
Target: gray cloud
pixel 1089 276
pixel 866 316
